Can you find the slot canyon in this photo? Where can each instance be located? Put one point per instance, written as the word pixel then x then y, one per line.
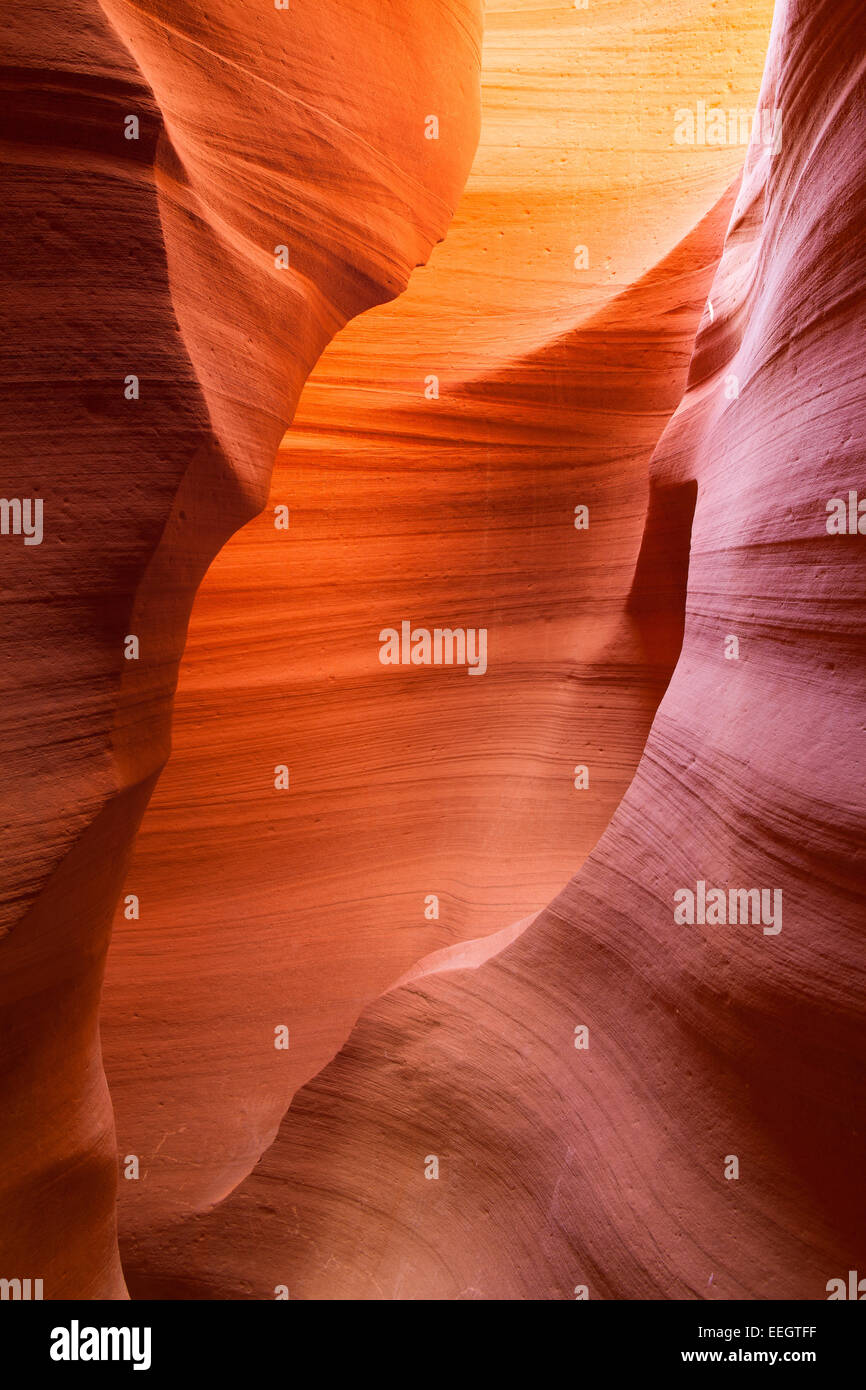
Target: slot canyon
pixel 342 967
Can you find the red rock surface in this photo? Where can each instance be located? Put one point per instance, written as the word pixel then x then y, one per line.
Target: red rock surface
pixel 559 1167
pixel 262 908
pixel 155 258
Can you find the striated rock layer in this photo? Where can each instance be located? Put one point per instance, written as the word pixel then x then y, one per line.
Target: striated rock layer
pixel 195 204
pixel 431 473
pixel 701 1139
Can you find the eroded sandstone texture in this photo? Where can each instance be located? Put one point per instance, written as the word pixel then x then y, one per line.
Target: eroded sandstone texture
pixel 195 203
pixel 432 472
pixel 601 1096
pixel 609 1167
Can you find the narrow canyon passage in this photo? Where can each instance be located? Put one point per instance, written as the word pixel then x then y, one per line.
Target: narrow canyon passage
pixel 637 1099
pixel 432 637
pixel 440 452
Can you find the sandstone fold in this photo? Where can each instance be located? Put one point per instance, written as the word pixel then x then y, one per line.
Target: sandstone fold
pixel 625 1103
pixel 193 206
pixel 443 450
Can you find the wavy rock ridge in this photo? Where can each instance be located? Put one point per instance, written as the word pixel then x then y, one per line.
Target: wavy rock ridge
pixel 703 1144
pixel 432 471
pixel 157 164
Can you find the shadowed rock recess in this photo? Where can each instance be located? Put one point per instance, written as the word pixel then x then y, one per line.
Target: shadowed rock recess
pixel 647 1083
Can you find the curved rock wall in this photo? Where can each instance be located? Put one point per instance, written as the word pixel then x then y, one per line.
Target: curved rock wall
pixel 157 344
pixel 431 473
pixel 626 1103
